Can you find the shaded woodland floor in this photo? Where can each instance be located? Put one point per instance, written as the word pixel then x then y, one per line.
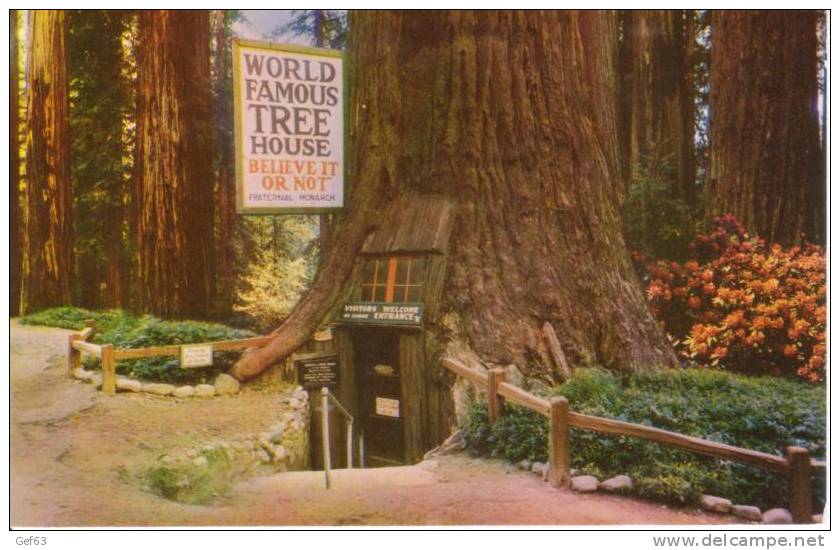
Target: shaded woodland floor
pixel 76 453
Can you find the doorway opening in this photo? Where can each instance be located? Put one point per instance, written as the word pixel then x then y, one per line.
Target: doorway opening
pixel 381 423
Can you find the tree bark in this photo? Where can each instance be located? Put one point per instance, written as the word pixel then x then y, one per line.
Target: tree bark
pixel 47 237
pixel 513 116
pixel 226 183
pixel 659 121
pixel 764 124
pixel 15 218
pixel 174 164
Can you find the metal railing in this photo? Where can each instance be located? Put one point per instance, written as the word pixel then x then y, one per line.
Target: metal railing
pixel 326 396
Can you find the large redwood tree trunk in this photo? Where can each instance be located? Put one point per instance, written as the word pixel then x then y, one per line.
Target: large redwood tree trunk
pixel 659 108
pixel 513 115
pixel 764 124
pixel 173 189
pixel 47 236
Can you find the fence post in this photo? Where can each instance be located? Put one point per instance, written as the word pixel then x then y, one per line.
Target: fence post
pixel 494 400
pixel 799 484
pixel 559 459
pixel 74 356
pixel 109 370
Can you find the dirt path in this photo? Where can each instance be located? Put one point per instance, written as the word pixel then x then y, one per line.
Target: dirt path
pixel 76 453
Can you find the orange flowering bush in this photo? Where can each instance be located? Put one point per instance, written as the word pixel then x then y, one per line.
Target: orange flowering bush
pixel 742 305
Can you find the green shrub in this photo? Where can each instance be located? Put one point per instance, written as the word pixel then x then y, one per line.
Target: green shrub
pixel 761 413
pixel 74 318
pixel 192 483
pixel 744 306
pixel 656 221
pixel 126 331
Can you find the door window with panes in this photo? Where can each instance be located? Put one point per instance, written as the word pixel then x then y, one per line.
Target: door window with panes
pixel 394 279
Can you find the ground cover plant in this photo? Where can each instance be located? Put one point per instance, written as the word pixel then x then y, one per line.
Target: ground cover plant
pixel 193 483
pixel 762 413
pixel 124 330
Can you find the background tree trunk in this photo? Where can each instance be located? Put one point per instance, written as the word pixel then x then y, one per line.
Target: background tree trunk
pixel 225 184
pixel 174 164
pixel 101 98
pixel 516 121
pixel 15 218
pixel 764 124
pixel 659 126
pixel 47 237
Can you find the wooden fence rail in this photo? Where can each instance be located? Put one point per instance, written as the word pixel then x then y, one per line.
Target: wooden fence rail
pixel 108 355
pixel 796 464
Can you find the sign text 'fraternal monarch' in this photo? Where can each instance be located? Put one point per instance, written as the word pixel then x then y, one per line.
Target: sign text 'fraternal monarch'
pixel 289 109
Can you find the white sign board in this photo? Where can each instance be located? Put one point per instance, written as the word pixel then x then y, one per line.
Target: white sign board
pixel 388 407
pixel 289 109
pixel 200 355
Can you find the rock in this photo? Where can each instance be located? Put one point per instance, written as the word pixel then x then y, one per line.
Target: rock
pixel 226 384
pixel 278 453
pixel 168 460
pixel 184 391
pixel 159 389
pixel 545 473
pixel 276 436
pixel 715 504
pixel 585 484
pixel 524 465
pixel 751 513
pixel 429 464
pixel 294 403
pixel 96 380
pixel 297 425
pixel 127 384
pixel 263 456
pixel 200 461
pixel 777 516
pixel 617 484
pixel 538 468
pixel 205 390
pixel 82 374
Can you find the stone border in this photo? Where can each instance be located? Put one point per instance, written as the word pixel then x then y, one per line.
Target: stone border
pixel 622 484
pixel 223 385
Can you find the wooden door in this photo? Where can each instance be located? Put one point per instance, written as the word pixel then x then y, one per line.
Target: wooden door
pixel 380 397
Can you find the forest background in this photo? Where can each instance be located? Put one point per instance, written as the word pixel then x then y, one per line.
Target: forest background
pixel 92 237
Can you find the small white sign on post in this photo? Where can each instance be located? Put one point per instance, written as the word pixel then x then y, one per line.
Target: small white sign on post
pixel 194 356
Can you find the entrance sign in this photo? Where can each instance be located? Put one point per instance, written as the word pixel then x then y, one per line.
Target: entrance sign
pixel 317 372
pixel 289 111
pixel 388 407
pixel 196 356
pixel 379 313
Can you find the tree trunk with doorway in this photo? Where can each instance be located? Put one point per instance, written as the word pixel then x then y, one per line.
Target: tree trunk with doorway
pixel 516 121
pixel 47 234
pixel 173 185
pixel 764 126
